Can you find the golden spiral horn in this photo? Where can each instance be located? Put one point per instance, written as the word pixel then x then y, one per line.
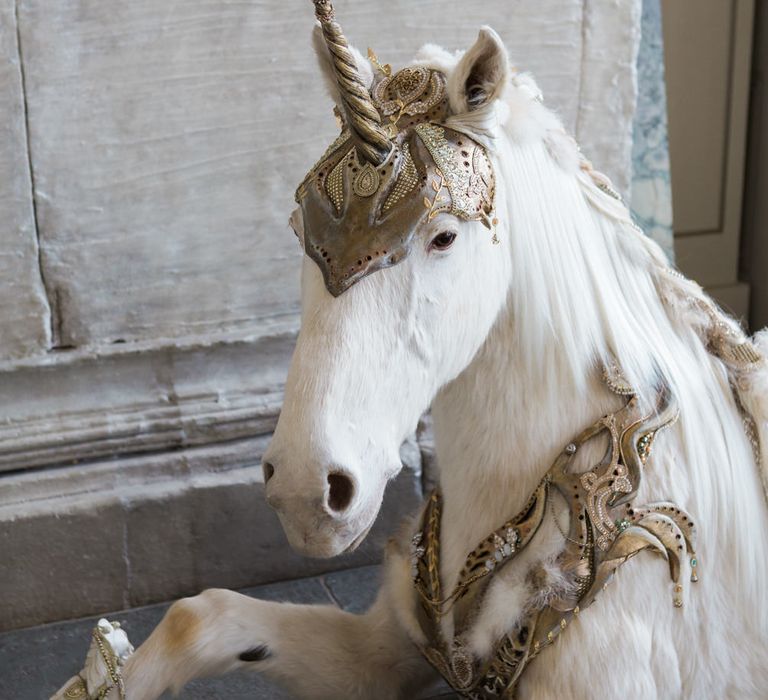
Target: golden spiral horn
pixel 363 118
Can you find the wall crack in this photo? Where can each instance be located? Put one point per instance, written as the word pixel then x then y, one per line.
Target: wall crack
pixel 51 294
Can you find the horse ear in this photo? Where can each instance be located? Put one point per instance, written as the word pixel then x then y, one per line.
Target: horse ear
pixel 480 75
pixel 364 68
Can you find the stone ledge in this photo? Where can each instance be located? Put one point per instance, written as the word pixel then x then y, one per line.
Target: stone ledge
pixel 155 528
pixel 85 405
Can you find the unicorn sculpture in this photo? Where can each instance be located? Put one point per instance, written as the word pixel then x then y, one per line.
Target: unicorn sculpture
pixel 600 425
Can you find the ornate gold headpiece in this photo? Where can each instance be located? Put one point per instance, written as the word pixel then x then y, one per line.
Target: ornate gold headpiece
pixel 394 166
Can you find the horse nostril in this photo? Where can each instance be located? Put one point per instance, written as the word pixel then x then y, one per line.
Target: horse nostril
pixel 269 470
pixel 340 492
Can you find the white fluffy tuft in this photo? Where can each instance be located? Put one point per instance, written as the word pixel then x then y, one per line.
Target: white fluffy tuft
pixel 364 67
pixel 437 58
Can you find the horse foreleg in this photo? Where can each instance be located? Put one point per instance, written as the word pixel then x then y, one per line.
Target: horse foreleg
pixel 313 651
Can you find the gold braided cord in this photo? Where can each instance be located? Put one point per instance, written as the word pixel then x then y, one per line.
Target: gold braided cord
pixel 363 118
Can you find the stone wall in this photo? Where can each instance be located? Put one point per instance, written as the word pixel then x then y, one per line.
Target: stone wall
pixel 149 281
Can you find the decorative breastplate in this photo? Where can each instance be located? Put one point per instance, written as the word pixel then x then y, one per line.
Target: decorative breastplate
pixel 605 530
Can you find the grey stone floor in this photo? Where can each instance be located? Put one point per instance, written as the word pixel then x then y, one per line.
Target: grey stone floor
pixel 35 662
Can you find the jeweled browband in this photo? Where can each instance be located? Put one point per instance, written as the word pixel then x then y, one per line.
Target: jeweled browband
pixel 394 166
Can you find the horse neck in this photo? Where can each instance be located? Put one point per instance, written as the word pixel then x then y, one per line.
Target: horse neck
pixel 500 424
pixel 497 431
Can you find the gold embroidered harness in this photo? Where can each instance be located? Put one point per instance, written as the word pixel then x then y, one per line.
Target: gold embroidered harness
pixel 605 529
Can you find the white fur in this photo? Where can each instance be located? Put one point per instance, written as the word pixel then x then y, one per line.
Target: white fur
pixel 364 68
pixel 505 341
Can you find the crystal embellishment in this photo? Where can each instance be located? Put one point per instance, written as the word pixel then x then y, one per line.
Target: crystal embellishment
pixel 470 182
pixel 417 552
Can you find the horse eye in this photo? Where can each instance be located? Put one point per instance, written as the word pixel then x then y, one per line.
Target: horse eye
pixel 443 240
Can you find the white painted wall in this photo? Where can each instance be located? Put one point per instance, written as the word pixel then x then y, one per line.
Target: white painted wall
pixel 754 254
pixel 707 52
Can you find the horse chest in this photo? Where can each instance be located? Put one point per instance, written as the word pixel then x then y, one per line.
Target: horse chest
pixel 605 529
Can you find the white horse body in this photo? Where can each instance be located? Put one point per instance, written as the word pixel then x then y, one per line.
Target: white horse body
pixel 505 342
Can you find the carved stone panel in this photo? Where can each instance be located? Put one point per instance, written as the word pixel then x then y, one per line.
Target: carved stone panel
pixel 167 139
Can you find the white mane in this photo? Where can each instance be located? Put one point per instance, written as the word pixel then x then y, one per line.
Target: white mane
pixel 587 286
